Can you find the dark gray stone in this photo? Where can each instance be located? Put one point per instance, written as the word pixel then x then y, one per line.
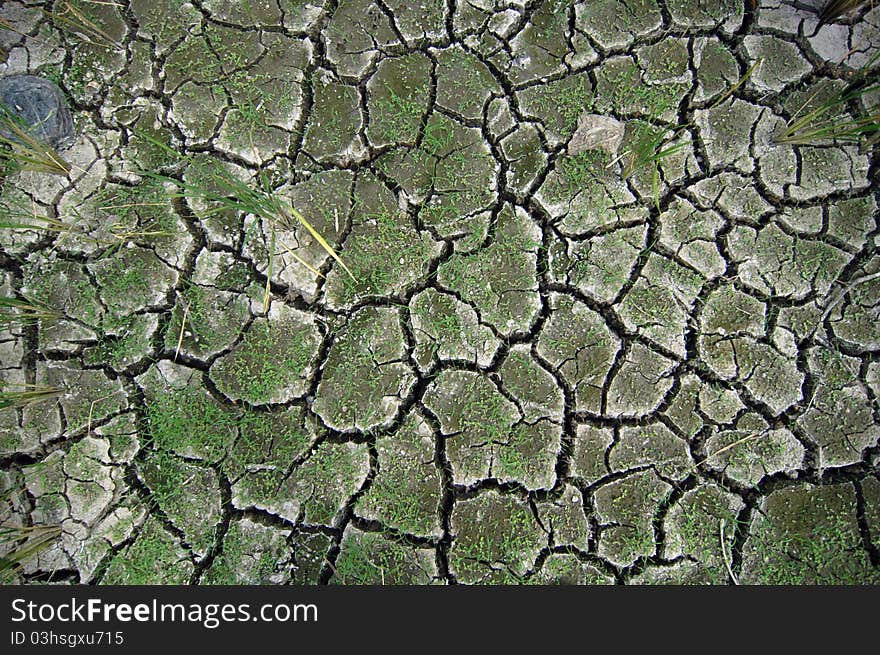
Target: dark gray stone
pixel 40 105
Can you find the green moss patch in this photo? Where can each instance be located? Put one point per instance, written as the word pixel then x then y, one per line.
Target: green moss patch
pixel 364 376
pixel 252 554
pixel 499 280
pixel 154 557
pixel 807 535
pixel 496 539
pixel 271 363
pixel 370 558
pixel 188 494
pixel 626 508
pixel 405 495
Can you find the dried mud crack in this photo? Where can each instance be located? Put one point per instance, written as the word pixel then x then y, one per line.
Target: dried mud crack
pixel 544 368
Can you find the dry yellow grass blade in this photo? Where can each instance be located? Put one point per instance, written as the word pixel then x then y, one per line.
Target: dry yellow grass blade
pixel 302 261
pixel 326 246
pixel 182 329
pixel 68 16
pixel 730 446
pixel 231 193
pixel 724 554
pixel 270 270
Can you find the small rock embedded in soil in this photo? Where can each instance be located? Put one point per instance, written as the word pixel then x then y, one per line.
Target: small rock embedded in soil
pixel 41 106
pixel 595 132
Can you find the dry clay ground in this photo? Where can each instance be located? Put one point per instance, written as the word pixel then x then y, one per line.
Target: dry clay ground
pixel 540 375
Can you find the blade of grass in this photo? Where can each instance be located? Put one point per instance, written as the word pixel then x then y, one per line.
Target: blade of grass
pixel 847 130
pixel 724 555
pixel 731 446
pixel 837 8
pixel 16 215
pixel 24 543
pixel 23 311
pixel 27 396
pixel 647 152
pixel 182 328
pixel 6 25
pixel 244 199
pixel 832 305
pixel 650 151
pixel 75 21
pixel 19 148
pixel 269 271
pixel 49 224
pixel 817 126
pixel 326 246
pixel 302 261
pixel 739 83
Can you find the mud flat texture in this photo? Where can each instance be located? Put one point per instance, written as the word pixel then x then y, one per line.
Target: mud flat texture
pixel 552 363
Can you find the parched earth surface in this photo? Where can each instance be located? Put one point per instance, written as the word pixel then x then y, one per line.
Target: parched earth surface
pixel 544 368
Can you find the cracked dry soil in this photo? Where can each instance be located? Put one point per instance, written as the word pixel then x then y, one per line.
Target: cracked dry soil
pixel 544 372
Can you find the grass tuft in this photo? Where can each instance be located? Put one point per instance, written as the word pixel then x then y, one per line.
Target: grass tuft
pixel 647 151
pixel 831 121
pixel 834 9
pixel 17 214
pixel 651 145
pixel 825 123
pixel 22 311
pixel 20 543
pixel 226 191
pixel 20 150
